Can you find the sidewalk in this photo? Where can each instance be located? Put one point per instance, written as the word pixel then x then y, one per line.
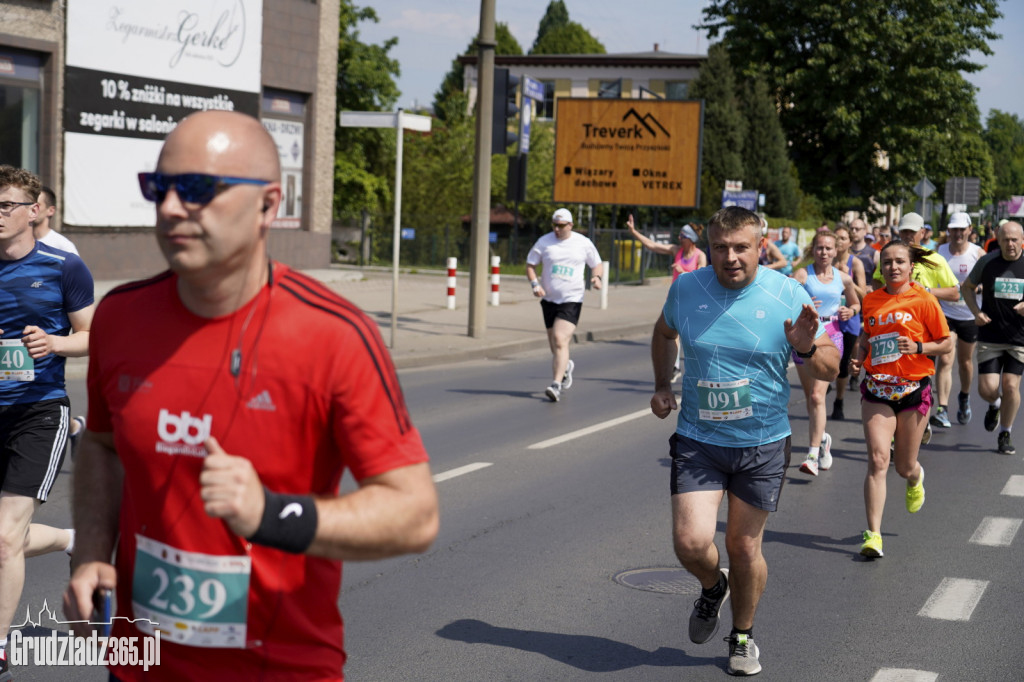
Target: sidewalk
pixel 428 333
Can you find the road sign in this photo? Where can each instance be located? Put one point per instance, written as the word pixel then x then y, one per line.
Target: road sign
pixel 533 89
pixel 963 191
pixel 924 189
pixel 746 198
pixel 628 151
pixel 524 126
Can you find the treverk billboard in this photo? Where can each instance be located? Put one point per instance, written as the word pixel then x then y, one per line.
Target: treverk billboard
pixel 628 151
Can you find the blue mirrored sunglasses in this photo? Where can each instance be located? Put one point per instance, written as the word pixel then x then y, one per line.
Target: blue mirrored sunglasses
pixel 192 188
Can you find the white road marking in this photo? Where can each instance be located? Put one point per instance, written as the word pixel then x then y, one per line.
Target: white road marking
pixel 954 599
pixel 589 430
pixel 459 471
pixel 1014 487
pixel 904 675
pixel 996 532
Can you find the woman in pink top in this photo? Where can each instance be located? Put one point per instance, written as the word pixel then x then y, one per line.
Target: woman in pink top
pixel 686 257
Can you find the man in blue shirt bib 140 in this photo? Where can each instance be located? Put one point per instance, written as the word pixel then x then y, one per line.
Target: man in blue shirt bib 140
pixel 46 306
pixel 737 324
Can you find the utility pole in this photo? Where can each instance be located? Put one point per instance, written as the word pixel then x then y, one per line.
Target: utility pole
pixel 481 224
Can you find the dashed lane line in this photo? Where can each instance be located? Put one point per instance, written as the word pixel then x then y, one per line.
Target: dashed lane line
pixel 954 599
pixel 459 471
pixel 1014 487
pixel 995 531
pixel 589 430
pixel 904 675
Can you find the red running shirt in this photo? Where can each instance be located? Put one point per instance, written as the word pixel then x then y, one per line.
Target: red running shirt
pixel 315 393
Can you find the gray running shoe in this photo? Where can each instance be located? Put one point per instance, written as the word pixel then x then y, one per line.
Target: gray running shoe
pixel 553 392
pixel 963 412
pixel 940 419
pixel 704 620
pixel 743 655
pixel 567 377
pixel 74 438
pixel 926 437
pixel 1005 444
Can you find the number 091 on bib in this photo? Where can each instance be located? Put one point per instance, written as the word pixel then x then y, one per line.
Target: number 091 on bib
pixel 724 400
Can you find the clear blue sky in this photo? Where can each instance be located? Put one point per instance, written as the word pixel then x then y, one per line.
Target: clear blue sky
pixel 430 34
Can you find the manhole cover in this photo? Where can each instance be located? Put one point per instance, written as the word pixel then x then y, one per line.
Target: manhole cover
pixel 664 580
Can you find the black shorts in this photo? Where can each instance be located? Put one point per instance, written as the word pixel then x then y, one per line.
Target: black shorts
pixel 753 474
pixel 34 436
pixel 849 343
pixel 570 312
pixel 965 330
pixel 999 358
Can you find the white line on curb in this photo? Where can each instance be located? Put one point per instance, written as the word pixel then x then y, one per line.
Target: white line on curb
pixel 954 599
pixel 996 532
pixel 590 429
pixel 468 469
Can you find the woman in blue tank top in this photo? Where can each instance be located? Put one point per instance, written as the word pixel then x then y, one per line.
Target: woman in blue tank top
pixel 836 299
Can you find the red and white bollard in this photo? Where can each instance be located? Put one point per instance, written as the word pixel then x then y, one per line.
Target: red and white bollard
pixel 452 264
pixel 495 278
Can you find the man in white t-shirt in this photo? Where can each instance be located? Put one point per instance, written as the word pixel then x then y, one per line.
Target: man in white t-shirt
pixel 41 230
pixel 961 255
pixel 41 225
pixel 563 253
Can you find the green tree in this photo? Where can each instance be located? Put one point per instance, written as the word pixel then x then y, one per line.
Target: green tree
pixel 437 187
pixel 556 16
pixel 363 157
pixel 862 87
pixel 767 167
pixel 571 38
pixel 455 80
pixel 724 127
pixel 1004 136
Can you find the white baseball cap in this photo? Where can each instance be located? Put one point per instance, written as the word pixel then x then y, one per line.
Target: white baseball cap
pixel 911 221
pixel 562 215
pixel 959 220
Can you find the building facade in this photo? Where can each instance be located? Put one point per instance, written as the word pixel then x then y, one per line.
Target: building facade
pixel 89 89
pixel 633 75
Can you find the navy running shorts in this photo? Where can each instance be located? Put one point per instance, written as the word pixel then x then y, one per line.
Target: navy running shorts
pixel 754 474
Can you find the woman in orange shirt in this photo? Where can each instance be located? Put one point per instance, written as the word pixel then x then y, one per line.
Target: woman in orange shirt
pixel 902 325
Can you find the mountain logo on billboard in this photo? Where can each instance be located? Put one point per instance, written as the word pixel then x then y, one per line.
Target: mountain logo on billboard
pixel 202 35
pixel 634 128
pixel 646 121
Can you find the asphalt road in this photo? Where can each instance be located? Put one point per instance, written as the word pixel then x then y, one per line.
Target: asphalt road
pixel 522 581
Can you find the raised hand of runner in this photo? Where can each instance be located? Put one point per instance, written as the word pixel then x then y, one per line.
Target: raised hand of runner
pixel 801 333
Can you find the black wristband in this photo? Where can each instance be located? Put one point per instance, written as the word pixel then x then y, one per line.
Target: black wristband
pixel 289 522
pixel 920 348
pixel 812 351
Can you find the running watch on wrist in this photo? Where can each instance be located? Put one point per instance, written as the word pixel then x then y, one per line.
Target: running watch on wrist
pixel 812 351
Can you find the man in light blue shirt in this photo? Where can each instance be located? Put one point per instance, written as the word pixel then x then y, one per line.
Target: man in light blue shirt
pixel 737 324
pixel 789 249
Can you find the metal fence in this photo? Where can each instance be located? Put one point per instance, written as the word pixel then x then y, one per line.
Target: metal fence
pixel 366 239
